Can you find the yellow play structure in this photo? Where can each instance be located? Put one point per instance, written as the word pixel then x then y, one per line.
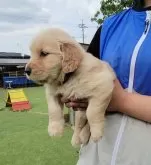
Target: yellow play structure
pixel 17 100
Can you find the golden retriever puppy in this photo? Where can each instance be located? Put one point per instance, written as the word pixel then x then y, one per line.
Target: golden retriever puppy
pixel 66 69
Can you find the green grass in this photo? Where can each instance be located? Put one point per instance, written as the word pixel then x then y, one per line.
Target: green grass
pixel 24 139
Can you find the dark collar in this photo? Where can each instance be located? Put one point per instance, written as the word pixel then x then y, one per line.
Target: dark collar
pixel 141 8
pixel 63 77
pixel 67 77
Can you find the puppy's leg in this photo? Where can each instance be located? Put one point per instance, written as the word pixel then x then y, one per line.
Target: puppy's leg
pixel 85 134
pixel 95 114
pixel 55 112
pixel 80 121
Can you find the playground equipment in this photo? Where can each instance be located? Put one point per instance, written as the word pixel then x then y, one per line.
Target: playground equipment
pixel 17 100
pixel 17 82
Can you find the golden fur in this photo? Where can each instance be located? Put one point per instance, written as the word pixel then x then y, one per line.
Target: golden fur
pixel 91 79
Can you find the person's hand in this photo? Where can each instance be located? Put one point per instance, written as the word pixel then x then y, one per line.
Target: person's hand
pixel 76 104
pixel 118 97
pixel 117 102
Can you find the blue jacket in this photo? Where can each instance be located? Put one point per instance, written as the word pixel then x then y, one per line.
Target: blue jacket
pixel 127 49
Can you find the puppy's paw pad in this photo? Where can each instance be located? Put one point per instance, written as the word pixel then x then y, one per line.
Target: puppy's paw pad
pixel 55 129
pixel 84 137
pixel 97 136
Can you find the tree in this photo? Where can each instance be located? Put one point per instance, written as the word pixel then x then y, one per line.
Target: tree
pixel 109 7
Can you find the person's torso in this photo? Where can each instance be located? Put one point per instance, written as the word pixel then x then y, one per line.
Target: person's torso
pixel 123 37
pixel 126 47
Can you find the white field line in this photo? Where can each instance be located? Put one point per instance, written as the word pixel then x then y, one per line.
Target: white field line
pixel 40 113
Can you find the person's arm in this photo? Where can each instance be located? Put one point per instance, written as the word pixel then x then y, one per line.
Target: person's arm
pixel 132 104
pixel 135 105
pixel 94 47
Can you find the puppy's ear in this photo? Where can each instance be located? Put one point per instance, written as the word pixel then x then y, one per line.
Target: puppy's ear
pixel 72 56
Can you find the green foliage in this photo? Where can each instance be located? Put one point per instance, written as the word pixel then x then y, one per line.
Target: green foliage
pixel 109 7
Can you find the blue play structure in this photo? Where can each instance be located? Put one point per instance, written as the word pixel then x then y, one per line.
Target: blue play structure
pixel 13 82
pixel 12 66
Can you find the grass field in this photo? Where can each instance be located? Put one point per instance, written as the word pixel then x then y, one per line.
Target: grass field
pixel 24 139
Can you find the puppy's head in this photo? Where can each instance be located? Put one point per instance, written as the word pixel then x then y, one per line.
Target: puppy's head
pixel 53 52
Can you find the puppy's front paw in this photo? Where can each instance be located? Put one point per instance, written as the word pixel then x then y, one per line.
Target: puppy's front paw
pixel 85 134
pixel 56 128
pixel 96 134
pixel 75 141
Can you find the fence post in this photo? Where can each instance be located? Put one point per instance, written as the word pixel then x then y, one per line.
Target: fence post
pixel 72 116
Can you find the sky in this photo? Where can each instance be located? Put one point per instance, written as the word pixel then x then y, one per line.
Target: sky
pixel 21 20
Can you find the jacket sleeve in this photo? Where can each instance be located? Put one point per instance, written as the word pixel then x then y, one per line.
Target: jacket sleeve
pixel 94 47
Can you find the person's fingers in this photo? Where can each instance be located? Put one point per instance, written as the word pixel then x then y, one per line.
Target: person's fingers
pixel 82 105
pixel 64 100
pixel 68 105
pixel 79 109
pixel 76 105
pixel 75 109
pixel 73 99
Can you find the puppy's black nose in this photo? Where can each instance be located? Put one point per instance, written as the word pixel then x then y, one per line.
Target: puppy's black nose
pixel 28 71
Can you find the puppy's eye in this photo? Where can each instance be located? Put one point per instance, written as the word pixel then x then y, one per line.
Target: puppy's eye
pixel 43 54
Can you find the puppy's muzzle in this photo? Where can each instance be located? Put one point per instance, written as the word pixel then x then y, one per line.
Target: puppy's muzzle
pixel 28 71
